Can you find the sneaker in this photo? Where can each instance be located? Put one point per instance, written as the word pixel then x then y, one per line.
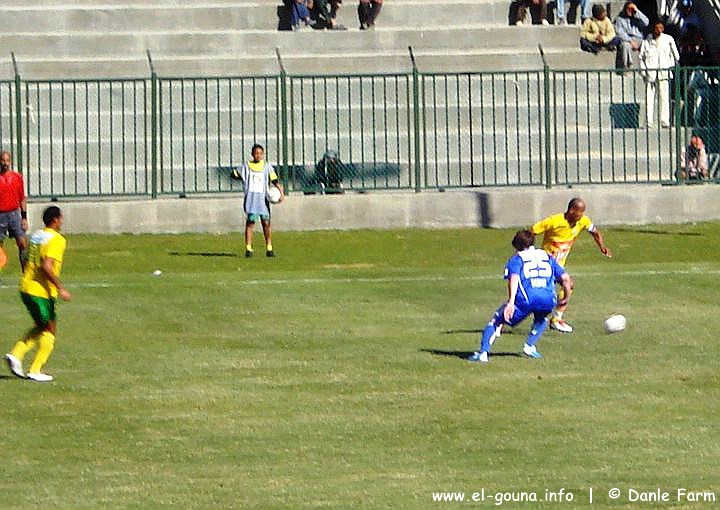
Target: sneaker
pixel 531 352
pixel 248 254
pixel 561 22
pixel 519 23
pixel 560 325
pixel 39 377
pixel 478 357
pixel 270 253
pixel 545 23
pixel 15 366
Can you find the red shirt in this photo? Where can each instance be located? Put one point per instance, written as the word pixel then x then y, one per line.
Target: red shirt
pixel 12 191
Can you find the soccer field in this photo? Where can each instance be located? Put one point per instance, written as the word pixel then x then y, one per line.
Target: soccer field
pixel 333 376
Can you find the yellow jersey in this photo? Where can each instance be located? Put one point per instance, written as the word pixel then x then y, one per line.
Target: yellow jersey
pixel 559 236
pixel 43 243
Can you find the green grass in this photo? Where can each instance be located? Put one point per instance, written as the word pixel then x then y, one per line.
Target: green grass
pixel 331 376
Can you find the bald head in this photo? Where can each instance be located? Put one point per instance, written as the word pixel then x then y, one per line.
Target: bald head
pixel 575 210
pixel 5 161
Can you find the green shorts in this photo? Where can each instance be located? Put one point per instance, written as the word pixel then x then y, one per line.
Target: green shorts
pixel 253 218
pixel 42 310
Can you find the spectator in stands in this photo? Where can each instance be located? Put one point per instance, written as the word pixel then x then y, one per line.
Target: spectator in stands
pixel 324 13
pixel 658 56
pixel 680 20
pixel 694 160
pixel 631 27
pixel 300 15
pixel 538 11
pixel 368 11
pixel 598 32
pixel 328 172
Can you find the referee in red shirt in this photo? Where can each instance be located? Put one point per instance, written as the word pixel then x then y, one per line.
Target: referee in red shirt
pixel 13 206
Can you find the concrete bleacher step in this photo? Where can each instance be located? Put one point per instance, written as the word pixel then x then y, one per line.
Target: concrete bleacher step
pixel 229 16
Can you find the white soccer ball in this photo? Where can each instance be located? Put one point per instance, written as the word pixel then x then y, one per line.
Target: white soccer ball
pixel 157 272
pixel 615 323
pixel 273 194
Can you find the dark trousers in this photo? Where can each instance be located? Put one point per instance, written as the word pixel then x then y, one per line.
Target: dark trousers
pixel 594 47
pixel 538 10
pixel 368 12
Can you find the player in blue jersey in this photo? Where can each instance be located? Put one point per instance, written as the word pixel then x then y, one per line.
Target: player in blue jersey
pixel 531 275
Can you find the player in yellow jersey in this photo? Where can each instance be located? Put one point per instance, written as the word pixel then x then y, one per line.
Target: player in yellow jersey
pixel 560 231
pixel 40 287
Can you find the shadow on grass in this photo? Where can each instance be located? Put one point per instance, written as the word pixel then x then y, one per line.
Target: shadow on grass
pixel 506 331
pixel 467 354
pixel 3 376
pixel 658 232
pixel 203 254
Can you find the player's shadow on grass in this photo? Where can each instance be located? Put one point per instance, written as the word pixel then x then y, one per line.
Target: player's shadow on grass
pixel 466 354
pixel 3 376
pixel 658 232
pixel 203 254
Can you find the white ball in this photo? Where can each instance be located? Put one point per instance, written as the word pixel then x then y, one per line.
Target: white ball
pixel 157 272
pixel 273 194
pixel 615 323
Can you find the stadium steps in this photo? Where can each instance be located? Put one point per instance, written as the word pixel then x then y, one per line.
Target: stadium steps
pixel 110 38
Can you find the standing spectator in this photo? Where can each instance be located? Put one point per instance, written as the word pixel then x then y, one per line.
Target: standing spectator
pixel 538 10
pixel 324 13
pixel 598 32
pixel 368 11
pixel 631 27
pixel 681 18
pixel 40 287
pixel 531 275
pixel 13 206
pixel 694 160
pixel 658 55
pixel 256 175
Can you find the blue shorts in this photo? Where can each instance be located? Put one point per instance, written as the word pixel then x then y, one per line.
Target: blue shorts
pixel 253 218
pixel 10 224
pixel 520 314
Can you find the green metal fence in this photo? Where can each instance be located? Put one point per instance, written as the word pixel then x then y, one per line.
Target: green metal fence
pixel 182 136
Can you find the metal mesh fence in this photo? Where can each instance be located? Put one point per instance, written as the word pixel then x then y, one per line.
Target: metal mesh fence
pixel 330 134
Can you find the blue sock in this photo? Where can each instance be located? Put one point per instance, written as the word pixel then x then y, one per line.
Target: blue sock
pixel 538 328
pixel 489 331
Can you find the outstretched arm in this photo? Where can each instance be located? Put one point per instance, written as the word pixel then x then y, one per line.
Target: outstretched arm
pixel 601 243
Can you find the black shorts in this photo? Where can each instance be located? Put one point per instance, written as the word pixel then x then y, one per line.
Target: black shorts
pixel 10 224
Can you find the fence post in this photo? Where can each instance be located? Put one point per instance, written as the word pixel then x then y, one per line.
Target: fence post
pixel 153 127
pixel 546 94
pixel 416 120
pixel 679 145
pixel 18 117
pixel 283 120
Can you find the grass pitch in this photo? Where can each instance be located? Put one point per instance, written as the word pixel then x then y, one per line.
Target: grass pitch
pixel 333 375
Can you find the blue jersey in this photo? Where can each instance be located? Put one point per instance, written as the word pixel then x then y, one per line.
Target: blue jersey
pixel 538 274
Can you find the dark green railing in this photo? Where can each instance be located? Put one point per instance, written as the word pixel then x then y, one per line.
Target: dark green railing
pixel 402 131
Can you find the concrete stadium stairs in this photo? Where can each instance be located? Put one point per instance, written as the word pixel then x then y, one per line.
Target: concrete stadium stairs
pixel 239 37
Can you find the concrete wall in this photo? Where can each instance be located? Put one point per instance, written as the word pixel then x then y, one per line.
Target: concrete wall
pixel 486 207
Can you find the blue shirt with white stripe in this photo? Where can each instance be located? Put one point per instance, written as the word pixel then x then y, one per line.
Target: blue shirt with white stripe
pixel 538 272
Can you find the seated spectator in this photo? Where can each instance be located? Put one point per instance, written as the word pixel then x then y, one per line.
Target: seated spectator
pixel 368 11
pixel 324 13
pixel 300 15
pixel 329 173
pixel 538 11
pixel 694 160
pixel 631 27
pixel 598 33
